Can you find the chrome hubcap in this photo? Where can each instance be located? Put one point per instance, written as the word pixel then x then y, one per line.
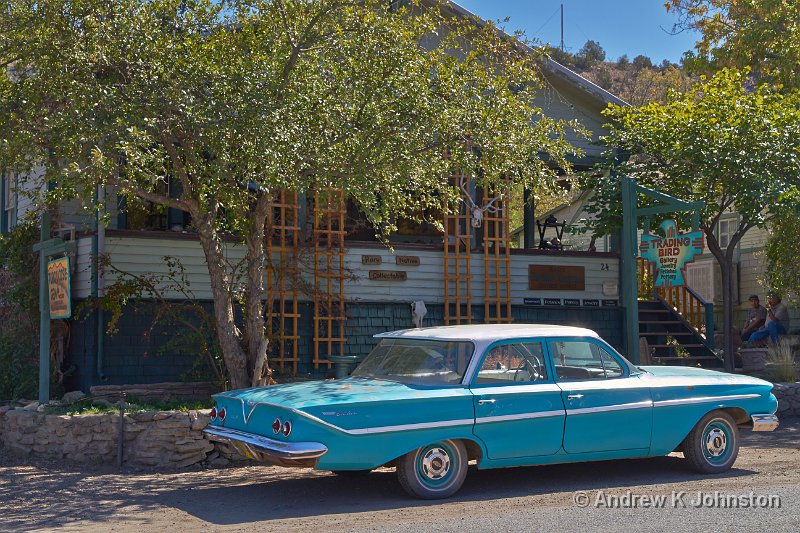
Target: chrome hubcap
pixel 435 463
pixel 716 442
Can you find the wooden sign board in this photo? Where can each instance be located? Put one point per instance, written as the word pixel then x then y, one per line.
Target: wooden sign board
pixel 371 260
pixel 556 278
pixel 387 275
pixel 407 260
pixel 59 288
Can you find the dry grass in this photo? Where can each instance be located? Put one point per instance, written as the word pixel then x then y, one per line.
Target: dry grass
pixel 781 360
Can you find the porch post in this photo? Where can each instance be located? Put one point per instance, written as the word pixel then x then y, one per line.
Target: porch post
pixel 628 270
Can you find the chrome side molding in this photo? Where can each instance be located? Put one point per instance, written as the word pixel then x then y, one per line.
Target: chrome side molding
pixel 764 422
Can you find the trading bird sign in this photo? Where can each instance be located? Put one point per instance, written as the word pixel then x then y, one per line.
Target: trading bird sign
pixel 671 252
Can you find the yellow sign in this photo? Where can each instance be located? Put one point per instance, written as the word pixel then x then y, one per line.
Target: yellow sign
pixel 58 287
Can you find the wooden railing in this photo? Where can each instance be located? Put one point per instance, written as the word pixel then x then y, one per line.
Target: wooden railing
pixel 697 313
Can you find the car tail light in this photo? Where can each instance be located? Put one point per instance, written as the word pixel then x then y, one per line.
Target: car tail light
pixel 222 414
pixel 287 428
pixel 213 413
pixel 277 425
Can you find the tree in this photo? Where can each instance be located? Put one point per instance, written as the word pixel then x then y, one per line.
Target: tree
pixel 589 54
pixel 641 62
pixel 761 34
pixel 720 143
pixel 235 100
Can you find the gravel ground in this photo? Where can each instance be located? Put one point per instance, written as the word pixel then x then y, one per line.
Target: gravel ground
pixel 40 494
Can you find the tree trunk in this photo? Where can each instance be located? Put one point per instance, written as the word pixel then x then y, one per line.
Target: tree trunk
pixel 227 332
pixel 726 268
pixel 257 342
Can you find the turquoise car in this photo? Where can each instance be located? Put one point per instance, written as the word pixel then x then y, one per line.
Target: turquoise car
pixel 430 401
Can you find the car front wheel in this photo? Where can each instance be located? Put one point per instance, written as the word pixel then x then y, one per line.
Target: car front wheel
pixel 434 471
pixel 713 444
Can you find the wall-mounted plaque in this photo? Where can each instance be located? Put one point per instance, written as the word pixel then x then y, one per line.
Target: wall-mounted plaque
pixel 610 303
pixel 387 275
pixel 407 260
pixel 556 278
pixel 532 301
pixel 591 303
pixel 371 260
pixel 552 301
pixel 573 302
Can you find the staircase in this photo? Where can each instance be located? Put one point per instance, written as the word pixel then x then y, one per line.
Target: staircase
pixel 674 321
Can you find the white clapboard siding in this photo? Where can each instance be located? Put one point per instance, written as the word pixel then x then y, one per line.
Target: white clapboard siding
pixel 82 274
pixel 424 282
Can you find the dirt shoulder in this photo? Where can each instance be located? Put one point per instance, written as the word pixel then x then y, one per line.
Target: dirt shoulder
pixel 37 493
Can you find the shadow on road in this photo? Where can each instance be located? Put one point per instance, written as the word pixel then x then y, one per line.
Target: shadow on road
pixel 330 494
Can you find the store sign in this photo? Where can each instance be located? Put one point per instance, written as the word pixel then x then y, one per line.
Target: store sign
pixel 387 275
pixel 671 253
pixel 407 260
pixel 58 287
pixel 371 260
pixel 556 278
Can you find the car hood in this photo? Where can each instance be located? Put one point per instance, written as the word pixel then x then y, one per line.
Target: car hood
pixel 682 373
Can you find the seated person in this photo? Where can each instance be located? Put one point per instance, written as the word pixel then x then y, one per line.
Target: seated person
pixel 777 322
pixel 756 317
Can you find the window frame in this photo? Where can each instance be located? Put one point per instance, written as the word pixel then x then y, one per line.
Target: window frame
pixel 622 362
pixel 525 340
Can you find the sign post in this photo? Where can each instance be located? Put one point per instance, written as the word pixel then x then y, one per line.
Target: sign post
pixel 47 248
pixel 630 223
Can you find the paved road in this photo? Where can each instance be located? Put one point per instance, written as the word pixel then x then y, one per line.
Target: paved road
pixel 621 495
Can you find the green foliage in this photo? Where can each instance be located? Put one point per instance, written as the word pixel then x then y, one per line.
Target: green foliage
pixel 19 313
pixel 132 405
pixel 761 34
pixel 237 99
pixel 589 54
pixel 783 250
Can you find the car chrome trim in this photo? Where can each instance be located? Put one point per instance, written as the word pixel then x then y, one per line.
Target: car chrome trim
pixel 703 399
pixel 604 408
pixel 765 422
pixel 406 427
pixel 520 416
pixel 257 444
pixel 534 387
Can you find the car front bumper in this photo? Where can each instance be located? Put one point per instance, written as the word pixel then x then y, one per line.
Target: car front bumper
pixel 268 450
pixel 764 422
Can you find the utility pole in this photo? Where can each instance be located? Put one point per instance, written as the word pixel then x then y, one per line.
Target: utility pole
pixel 562 28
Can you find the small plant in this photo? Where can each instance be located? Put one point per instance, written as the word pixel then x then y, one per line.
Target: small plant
pixel 747 345
pixel 781 359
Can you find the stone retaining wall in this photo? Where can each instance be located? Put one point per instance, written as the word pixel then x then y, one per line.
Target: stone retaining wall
pixel 168 439
pixel 788 395
pixel 163 439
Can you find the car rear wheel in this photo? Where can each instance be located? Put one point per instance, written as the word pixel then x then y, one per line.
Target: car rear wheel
pixel 713 444
pixel 434 471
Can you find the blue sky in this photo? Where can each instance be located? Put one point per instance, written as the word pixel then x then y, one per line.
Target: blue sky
pixel 630 27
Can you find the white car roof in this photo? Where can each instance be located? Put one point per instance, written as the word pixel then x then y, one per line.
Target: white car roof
pixel 489 332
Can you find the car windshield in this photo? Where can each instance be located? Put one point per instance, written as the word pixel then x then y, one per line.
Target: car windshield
pixel 417 361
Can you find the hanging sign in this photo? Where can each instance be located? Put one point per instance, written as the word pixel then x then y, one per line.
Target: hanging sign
pixel 58 287
pixel 671 253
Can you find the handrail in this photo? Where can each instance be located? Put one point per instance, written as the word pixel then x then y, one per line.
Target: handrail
pixel 697 313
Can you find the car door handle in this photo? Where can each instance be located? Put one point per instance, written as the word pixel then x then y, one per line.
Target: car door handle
pixel 571 397
pixel 481 402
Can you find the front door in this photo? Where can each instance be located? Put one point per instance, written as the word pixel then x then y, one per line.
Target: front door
pixel 518 406
pixel 608 409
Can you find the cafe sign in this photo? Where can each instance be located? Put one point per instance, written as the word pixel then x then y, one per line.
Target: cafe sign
pixel 671 253
pixel 58 287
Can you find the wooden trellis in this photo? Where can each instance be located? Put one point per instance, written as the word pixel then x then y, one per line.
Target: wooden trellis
pixel 496 263
pixel 457 260
pixel 282 243
pixel 330 209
